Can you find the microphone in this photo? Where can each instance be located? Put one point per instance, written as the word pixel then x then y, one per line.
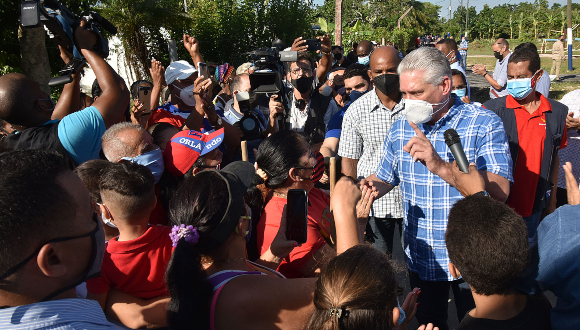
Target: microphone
pixel 454 144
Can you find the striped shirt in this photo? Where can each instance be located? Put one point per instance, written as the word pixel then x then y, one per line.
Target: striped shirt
pixel 572 152
pixel 62 314
pixel 365 126
pixel 427 198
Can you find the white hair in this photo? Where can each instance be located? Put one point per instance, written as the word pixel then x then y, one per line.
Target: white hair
pixel 431 61
pixel 115 149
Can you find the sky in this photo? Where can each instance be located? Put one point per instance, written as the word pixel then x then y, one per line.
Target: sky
pixel 477 3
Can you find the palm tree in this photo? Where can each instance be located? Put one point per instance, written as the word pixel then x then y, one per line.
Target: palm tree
pixel 551 21
pixel 536 19
pixel 139 23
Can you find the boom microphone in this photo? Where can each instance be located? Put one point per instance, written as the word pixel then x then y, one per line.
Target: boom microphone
pixel 454 144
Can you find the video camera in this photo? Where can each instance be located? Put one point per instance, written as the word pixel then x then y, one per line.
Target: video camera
pixel 267 76
pixel 249 123
pixel 60 24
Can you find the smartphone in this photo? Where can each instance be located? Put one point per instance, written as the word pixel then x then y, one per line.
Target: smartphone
pixel 145 97
pixel 313 44
pixel 297 215
pixel 202 68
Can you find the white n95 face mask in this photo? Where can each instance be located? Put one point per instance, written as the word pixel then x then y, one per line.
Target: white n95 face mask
pixel 419 111
pixel 186 95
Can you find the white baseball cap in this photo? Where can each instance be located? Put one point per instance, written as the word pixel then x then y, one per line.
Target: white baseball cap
pixel 178 70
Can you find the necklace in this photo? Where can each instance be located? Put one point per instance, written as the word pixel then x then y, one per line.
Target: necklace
pixel 280 194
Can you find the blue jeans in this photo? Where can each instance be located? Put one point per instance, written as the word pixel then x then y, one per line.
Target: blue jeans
pixel 382 230
pixel 464 62
pixel 433 300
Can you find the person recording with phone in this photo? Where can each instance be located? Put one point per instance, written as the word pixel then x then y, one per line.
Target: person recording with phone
pixel 285 161
pixel 417 158
pixel 306 106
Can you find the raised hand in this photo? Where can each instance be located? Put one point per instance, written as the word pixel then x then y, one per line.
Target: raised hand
pixel 191 44
pixel 299 45
pixel 325 44
pixel 571 185
pixel 421 149
pixel 157 72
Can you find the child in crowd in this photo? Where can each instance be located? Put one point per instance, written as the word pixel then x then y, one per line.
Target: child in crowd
pixel 90 173
pixel 488 247
pixel 136 260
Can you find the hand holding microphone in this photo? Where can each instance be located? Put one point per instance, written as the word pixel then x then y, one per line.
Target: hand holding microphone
pixel 466 177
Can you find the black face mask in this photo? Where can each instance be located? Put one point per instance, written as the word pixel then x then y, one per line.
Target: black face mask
pixel 498 56
pixel 303 84
pixel 387 83
pixel 337 56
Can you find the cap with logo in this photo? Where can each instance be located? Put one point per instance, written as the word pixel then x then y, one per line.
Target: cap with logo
pixel 178 70
pixel 185 147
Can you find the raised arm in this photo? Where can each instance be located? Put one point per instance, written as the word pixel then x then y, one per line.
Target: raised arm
pixel 115 98
pixel 158 75
pixel 70 97
pixel 192 46
pixel 325 63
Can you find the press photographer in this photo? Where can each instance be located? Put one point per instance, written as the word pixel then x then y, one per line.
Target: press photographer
pixel 243 110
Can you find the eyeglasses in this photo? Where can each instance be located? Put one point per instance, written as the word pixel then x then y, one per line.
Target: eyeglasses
pixel 295 71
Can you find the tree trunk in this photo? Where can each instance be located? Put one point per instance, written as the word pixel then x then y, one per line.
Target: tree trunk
pixel 33 56
pixel 338 23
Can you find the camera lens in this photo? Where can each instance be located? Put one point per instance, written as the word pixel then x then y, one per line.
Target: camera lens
pixel 249 124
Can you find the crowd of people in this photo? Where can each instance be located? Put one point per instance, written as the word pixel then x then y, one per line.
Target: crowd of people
pixel 159 205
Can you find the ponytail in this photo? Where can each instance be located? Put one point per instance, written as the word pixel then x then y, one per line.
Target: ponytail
pixel 190 290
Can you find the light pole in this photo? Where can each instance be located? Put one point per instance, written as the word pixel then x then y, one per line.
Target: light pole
pixel 570 37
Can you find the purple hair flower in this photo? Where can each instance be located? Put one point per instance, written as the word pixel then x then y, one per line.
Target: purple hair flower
pixel 188 232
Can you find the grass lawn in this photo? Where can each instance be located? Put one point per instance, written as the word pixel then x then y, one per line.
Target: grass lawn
pixel 489 62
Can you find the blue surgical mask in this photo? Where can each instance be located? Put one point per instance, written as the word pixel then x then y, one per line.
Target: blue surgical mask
pixel 461 92
pixel 364 60
pixel 354 95
pixel 520 88
pixel 402 315
pixel 153 160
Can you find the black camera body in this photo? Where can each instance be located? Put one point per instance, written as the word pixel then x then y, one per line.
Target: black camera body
pixel 249 123
pixel 267 77
pixel 60 24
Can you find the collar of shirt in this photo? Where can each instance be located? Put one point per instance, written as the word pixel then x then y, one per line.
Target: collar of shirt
pixel 51 314
pixel 505 59
pixel 545 105
pixel 378 104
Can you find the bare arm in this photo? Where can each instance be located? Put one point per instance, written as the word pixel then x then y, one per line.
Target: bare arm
pixel 115 98
pixel 69 100
pixel 325 63
pixel 554 180
pixel 137 313
pixel 158 75
pixel 349 167
pixel 192 46
pixel 100 298
pixel 329 147
pixel 482 71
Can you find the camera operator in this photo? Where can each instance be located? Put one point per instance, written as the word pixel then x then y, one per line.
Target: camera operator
pixel 305 106
pixel 78 135
pixel 234 113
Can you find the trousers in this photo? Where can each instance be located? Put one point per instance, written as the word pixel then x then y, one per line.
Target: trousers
pixel 556 64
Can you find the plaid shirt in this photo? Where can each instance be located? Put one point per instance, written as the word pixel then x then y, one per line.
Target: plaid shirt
pixel 463 44
pixel 427 198
pixel 365 127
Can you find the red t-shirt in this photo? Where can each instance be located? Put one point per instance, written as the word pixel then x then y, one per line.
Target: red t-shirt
pixel 531 136
pixel 161 115
pixel 318 230
pixel 136 267
pixel 158 216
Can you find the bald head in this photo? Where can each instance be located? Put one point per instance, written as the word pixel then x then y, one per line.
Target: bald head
pixel 364 48
pixel 18 95
pixel 384 55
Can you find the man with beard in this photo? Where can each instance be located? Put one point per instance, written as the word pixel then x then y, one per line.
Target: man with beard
pixel 365 126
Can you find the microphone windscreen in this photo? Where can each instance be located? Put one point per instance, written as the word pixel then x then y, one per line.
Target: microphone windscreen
pixel 451 137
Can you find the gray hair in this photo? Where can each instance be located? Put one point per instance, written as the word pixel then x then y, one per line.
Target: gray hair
pixel 431 61
pixel 115 149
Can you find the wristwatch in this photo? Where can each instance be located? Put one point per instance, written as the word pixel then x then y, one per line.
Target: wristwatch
pixel 485 74
pixel 482 193
pixel 218 122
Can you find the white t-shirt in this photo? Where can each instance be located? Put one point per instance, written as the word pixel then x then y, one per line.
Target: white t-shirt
pixel 297 117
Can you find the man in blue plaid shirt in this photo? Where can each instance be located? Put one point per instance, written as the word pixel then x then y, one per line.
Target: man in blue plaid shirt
pixel 463 46
pixel 416 158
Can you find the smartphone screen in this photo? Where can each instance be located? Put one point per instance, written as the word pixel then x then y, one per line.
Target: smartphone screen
pixel 297 215
pixel 203 71
pixel 313 44
pixel 145 97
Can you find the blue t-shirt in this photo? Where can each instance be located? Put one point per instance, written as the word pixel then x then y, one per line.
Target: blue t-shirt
pixel 80 134
pixel 334 127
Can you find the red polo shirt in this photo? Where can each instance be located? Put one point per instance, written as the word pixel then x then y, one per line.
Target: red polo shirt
pixel 531 136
